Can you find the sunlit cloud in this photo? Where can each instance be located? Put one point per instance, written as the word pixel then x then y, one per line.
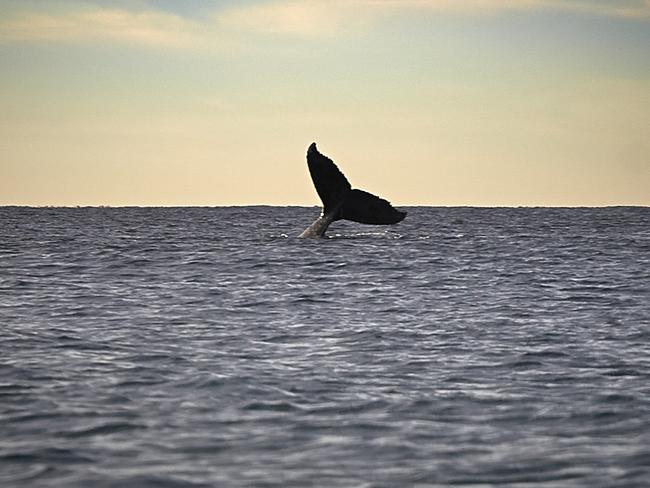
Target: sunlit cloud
pixel 319 17
pixel 639 9
pixel 297 18
pixel 152 28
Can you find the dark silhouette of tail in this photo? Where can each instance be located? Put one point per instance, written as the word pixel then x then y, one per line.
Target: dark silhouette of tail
pixel 331 185
pixel 366 208
pixel 341 201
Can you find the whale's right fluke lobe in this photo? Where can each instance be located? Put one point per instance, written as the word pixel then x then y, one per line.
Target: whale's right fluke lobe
pixel 366 208
pixel 340 201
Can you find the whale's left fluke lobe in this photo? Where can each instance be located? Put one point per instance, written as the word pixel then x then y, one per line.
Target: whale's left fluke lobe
pixel 331 185
pixel 340 201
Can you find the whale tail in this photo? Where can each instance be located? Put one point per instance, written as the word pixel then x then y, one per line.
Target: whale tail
pixel 341 201
pixel 366 208
pixel 331 185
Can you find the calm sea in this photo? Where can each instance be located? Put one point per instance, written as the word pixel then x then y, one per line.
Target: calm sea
pixel 201 347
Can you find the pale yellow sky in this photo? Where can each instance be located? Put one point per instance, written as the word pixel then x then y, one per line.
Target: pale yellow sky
pixel 423 102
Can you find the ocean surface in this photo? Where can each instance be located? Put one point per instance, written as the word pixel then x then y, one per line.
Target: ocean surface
pixel 201 347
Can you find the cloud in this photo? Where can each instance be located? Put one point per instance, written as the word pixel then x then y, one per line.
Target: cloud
pixel 328 17
pixel 635 9
pixel 299 18
pixel 296 18
pixel 323 18
pixel 152 28
pixel 639 9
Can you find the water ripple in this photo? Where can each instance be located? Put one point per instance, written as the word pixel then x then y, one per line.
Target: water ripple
pixel 195 347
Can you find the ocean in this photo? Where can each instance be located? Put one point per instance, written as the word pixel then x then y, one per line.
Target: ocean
pixel 209 347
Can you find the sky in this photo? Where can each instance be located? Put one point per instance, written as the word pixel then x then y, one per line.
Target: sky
pixel 423 102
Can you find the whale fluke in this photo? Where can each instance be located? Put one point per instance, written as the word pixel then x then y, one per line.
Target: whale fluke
pixel 341 201
pixel 331 185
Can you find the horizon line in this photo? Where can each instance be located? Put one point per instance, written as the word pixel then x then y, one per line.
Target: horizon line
pixel 320 206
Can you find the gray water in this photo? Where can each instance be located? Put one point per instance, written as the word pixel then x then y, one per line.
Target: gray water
pixel 192 347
